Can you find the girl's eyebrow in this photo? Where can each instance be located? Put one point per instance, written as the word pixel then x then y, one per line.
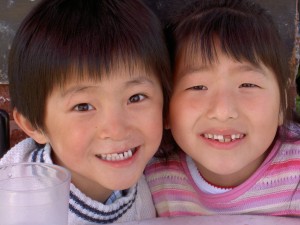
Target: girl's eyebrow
pixel 250 67
pixel 190 70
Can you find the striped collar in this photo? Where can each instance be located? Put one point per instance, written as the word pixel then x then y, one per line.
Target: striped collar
pixel 86 208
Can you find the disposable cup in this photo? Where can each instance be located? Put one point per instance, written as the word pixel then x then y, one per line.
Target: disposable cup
pixel 34 194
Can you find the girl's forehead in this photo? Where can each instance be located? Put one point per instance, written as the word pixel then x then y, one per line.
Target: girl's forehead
pixel 208 49
pixel 196 61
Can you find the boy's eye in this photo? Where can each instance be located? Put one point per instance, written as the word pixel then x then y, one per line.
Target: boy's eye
pixel 83 107
pixel 198 87
pixel 136 98
pixel 248 85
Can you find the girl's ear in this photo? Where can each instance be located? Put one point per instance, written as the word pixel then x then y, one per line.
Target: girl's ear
pixel 30 130
pixel 280 118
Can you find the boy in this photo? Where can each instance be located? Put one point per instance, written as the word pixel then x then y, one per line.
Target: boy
pixel 88 80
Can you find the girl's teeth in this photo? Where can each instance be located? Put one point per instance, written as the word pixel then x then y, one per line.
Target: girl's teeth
pixel 224 138
pixel 117 156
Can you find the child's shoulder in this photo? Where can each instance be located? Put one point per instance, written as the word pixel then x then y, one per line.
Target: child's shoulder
pixel 288 141
pixel 20 152
pixel 172 166
pixel 164 162
pixel 291 149
pixel 288 154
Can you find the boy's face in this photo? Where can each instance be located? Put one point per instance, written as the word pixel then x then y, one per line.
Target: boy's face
pixel 225 116
pixel 106 131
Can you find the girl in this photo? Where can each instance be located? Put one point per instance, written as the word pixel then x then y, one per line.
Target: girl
pixel 238 148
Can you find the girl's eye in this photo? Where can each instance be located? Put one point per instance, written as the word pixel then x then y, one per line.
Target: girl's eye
pixel 248 85
pixel 198 87
pixel 136 98
pixel 83 107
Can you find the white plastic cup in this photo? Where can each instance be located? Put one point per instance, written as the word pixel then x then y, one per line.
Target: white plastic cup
pixel 34 194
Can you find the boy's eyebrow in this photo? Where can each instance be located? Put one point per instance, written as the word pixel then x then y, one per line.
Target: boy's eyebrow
pixel 139 80
pixel 132 82
pixel 74 89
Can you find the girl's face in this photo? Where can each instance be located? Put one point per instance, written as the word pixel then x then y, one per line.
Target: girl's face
pixel 225 116
pixel 105 131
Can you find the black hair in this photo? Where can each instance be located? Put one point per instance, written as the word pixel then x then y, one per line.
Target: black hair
pixel 246 32
pixel 60 36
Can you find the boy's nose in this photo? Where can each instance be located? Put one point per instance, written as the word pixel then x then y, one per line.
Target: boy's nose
pixel 114 125
pixel 223 106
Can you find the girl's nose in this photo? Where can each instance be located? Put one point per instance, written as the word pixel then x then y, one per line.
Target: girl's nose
pixel 223 106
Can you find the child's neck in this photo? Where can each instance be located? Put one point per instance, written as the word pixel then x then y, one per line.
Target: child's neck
pixel 230 180
pixel 86 186
pixel 220 181
pixel 216 185
pixel 92 190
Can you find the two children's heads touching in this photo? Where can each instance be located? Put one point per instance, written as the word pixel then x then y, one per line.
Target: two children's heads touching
pixel 101 63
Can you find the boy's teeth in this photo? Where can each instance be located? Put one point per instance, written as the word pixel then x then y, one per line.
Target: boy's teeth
pixel 224 138
pixel 117 156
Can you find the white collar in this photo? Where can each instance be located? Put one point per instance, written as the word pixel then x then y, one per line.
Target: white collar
pixel 200 182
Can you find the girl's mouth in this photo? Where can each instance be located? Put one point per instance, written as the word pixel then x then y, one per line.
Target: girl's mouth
pixel 224 138
pixel 118 156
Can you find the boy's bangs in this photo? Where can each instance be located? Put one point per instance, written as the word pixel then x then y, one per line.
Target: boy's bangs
pixel 91 60
pixel 93 69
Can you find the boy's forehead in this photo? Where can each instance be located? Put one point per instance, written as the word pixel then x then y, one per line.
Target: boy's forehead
pixel 76 76
pixel 114 68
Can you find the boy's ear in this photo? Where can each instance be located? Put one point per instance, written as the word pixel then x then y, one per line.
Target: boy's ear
pixel 27 127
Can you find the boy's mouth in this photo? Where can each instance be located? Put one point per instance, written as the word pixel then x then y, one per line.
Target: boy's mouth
pixel 224 138
pixel 118 156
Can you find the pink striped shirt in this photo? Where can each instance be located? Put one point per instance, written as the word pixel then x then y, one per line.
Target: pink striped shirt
pixel 274 189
